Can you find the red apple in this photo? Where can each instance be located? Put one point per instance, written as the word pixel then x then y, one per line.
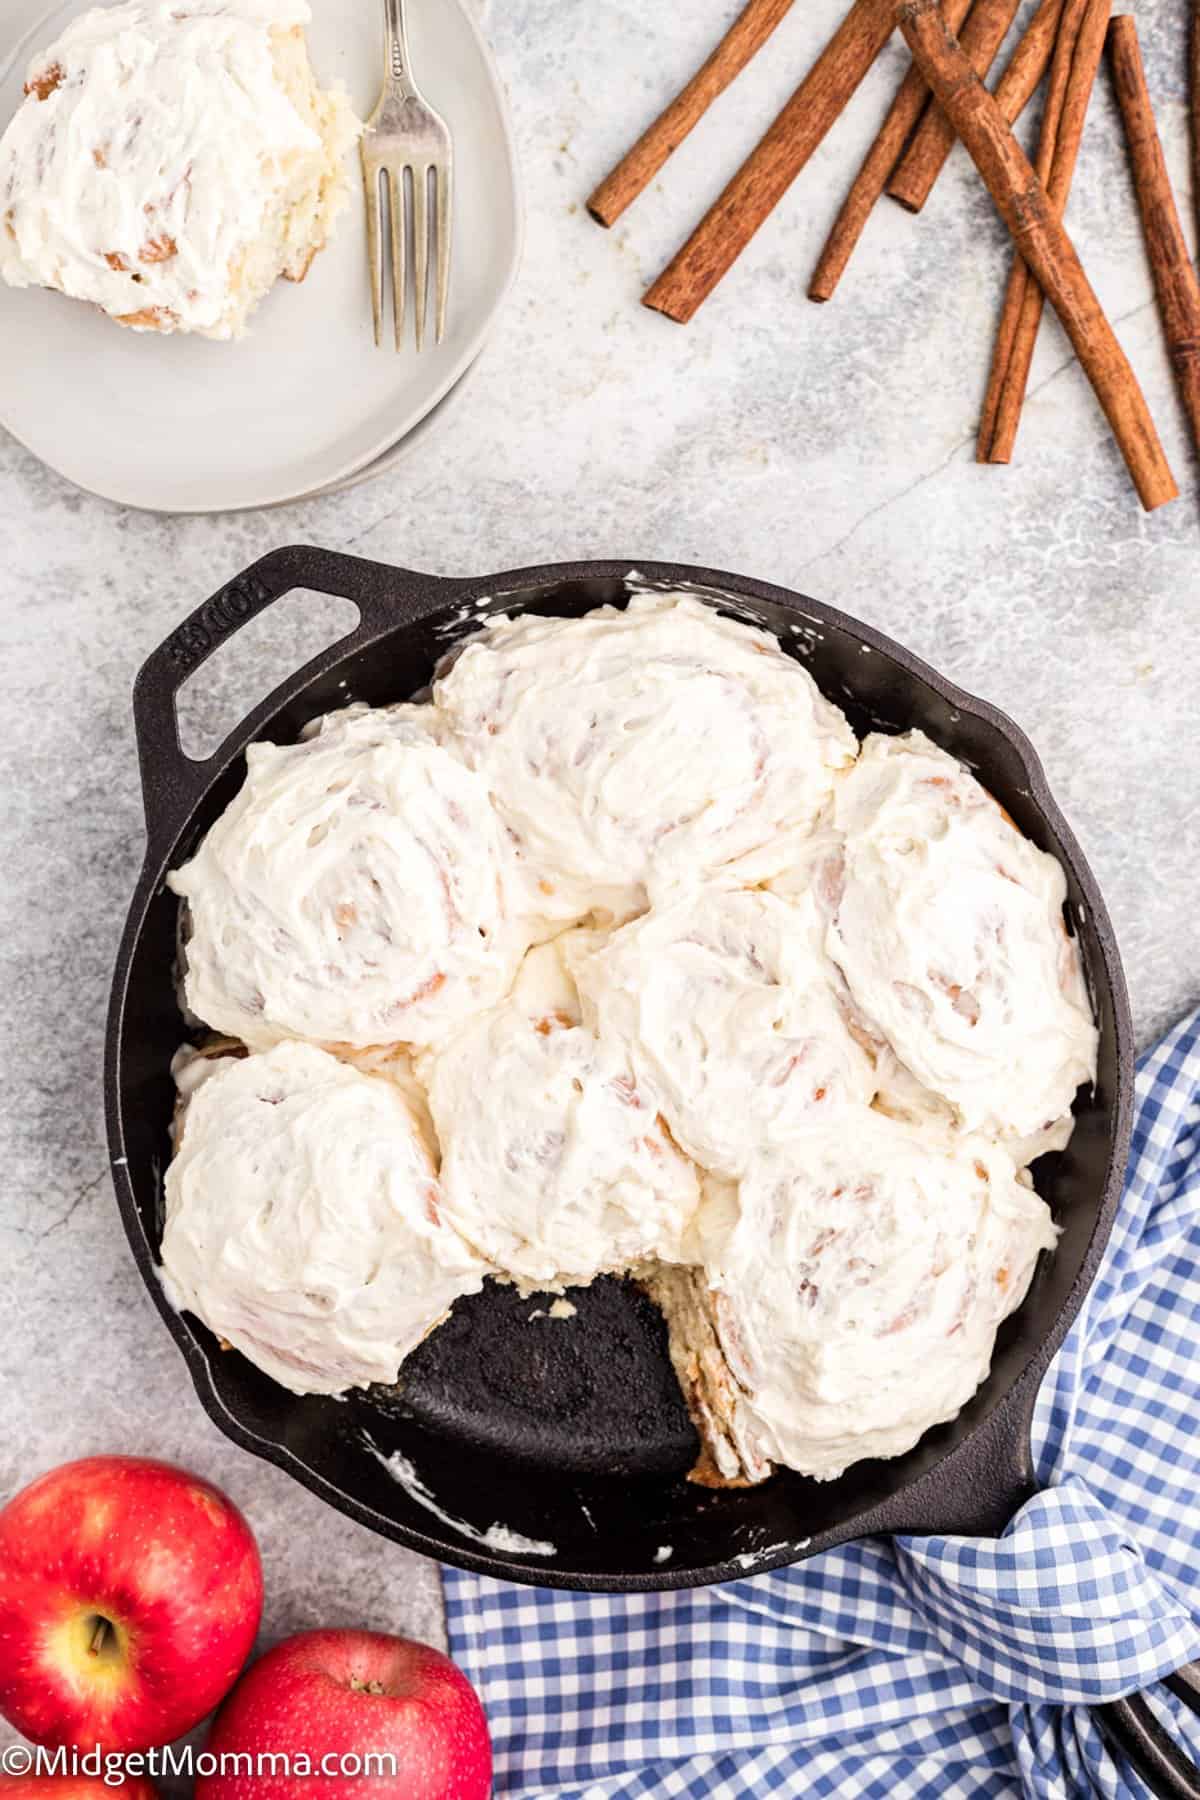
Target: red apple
pixel 337 1697
pixel 130 1595
pixel 73 1787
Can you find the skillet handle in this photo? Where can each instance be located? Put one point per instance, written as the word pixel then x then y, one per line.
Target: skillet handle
pixel 1130 1727
pixel 172 781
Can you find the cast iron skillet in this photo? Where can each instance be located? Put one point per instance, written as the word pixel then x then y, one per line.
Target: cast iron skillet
pixel 573 1433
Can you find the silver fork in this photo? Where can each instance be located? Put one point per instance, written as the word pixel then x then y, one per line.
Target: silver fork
pixel 406 144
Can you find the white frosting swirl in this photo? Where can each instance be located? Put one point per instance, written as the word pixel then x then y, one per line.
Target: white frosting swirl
pixel 554 1164
pixel 856 1053
pixel 302 1220
pixel 170 161
pixel 857 1296
pixel 725 1004
pixel 948 928
pixel 628 749
pixel 356 891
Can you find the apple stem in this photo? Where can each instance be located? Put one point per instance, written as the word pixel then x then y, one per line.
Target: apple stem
pixel 98 1637
pixel 365 1687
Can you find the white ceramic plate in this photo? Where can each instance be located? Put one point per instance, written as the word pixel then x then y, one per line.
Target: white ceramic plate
pixel 180 424
pixel 404 448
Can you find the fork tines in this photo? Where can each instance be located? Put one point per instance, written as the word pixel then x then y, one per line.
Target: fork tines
pixel 407 150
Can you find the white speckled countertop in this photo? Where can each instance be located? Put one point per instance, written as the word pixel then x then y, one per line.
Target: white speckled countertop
pixel 827 449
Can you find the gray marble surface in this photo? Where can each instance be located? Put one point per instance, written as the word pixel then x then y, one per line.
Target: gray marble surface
pixel 828 449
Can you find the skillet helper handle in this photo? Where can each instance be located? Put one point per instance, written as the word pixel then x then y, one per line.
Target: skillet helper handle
pixel 1130 1727
pixel 172 781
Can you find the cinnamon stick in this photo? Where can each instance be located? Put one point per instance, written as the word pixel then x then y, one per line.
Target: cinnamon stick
pixel 904 115
pixel 774 163
pixel 745 37
pixel 1025 68
pixel 1072 77
pixel 1014 91
pixel 1175 280
pixel 925 157
pixel 1025 207
pixel 1029 61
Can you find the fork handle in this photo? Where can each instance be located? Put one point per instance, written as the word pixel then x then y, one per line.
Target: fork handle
pixel 396 46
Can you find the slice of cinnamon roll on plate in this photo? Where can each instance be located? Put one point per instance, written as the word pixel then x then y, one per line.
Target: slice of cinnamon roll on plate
pixel 169 163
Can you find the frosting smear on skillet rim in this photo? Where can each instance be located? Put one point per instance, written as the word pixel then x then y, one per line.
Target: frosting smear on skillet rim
pixel 781 1054
pixel 169 163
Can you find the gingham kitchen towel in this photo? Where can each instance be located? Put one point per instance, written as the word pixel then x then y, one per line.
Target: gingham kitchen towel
pixel 939 1668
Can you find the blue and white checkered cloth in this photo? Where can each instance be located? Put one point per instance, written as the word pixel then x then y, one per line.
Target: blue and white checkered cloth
pixel 920 1667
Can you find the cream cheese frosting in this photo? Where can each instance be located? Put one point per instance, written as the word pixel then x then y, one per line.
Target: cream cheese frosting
pixel 811 1015
pixel 948 926
pixel 627 749
pixel 358 890
pixel 857 1297
pixel 728 1010
pixel 169 162
pixel 555 1165
pixel 303 1223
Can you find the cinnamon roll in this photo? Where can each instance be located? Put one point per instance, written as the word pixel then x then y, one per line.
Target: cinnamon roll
pixel 948 926
pixel 169 163
pixel 855 1292
pixel 358 891
pixel 626 750
pixel 555 1165
pixel 303 1220
pixel 728 1010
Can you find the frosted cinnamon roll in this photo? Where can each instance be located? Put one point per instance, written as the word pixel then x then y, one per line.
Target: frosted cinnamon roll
pixel 554 1164
pixel 191 1066
pixel 948 926
pixel 727 1008
pixel 394 1063
pixel 628 749
pixel 170 162
pixel 303 1223
pixel 732 1450
pixel 857 1295
pixel 358 891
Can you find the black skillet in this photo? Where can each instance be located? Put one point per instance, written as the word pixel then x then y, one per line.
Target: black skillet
pixel 575 1436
